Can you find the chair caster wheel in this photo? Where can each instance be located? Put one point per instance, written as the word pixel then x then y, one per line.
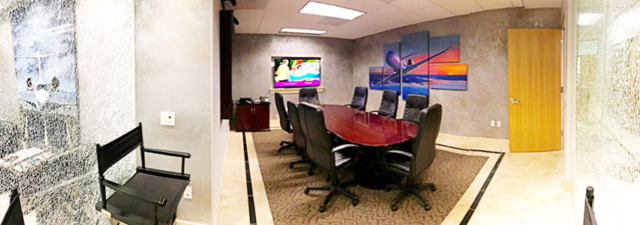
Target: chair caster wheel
pixel 291 165
pixel 322 209
pixel 433 188
pixel 427 208
pixel 310 172
pixel 355 202
pixel 387 189
pixel 306 191
pixel 394 208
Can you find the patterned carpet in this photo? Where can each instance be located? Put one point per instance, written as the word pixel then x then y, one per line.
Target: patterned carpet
pixel 451 173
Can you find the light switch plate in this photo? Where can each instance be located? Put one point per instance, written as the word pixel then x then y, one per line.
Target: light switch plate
pixel 167 118
pixel 499 123
pixel 493 123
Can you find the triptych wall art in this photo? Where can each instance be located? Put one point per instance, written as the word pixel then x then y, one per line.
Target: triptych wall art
pixel 419 63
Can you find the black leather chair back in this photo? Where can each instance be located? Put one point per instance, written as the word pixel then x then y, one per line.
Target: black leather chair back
pixel 359 100
pixel 424 146
pixel 282 112
pixel 317 133
pixel 389 104
pixel 415 104
pixel 309 95
pixel 298 136
pixel 302 117
pixel 14 214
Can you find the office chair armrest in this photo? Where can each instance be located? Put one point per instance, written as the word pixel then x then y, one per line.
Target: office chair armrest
pixel 167 152
pixel 154 200
pixel 399 153
pixel 346 146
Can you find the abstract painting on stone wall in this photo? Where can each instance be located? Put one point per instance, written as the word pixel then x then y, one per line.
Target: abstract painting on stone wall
pixel 448 76
pixel 43 35
pixel 415 63
pixel 392 67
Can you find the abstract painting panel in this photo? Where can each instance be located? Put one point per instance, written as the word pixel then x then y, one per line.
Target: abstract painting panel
pixel 392 67
pixel 448 76
pixel 450 43
pixel 415 60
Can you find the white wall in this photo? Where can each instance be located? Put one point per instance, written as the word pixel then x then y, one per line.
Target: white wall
pixel 9 91
pixel 174 40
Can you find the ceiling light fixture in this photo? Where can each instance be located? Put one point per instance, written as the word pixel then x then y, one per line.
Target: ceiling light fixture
pixel 321 9
pixel 586 19
pixel 302 31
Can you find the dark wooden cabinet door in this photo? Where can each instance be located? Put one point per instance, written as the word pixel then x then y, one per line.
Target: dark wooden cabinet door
pixel 244 117
pixel 261 117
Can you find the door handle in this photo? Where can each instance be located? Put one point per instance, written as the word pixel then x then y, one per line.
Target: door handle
pixel 514 101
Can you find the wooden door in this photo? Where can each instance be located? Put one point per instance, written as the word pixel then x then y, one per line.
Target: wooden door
pixel 534 89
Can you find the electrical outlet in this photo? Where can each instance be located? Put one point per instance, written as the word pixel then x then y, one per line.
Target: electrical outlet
pixel 188 193
pixel 167 118
pixel 493 123
pixel 499 123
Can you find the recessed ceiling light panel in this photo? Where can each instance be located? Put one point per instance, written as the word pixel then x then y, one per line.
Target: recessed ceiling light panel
pixel 586 19
pixel 302 31
pixel 321 9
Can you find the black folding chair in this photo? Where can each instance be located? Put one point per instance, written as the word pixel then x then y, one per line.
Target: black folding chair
pixel 14 214
pixel 151 196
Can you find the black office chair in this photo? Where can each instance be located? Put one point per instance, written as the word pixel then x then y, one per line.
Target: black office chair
pixel 300 142
pixel 389 104
pixel 284 121
pixel 359 100
pixel 326 156
pixel 151 196
pixel 589 215
pixel 309 95
pixel 411 163
pixel 14 214
pixel 415 104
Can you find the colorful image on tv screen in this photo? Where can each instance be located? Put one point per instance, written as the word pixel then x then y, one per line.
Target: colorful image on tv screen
pixel 291 72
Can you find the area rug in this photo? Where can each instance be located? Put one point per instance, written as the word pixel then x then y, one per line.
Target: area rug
pixel 452 174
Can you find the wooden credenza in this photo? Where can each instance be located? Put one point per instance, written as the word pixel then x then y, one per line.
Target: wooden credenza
pixel 252 117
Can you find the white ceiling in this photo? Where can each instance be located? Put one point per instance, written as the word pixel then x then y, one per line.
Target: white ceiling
pixel 270 16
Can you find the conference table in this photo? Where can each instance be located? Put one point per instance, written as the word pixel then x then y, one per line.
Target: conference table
pixel 375 134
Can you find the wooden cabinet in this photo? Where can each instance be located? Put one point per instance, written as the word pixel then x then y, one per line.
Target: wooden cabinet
pixel 252 117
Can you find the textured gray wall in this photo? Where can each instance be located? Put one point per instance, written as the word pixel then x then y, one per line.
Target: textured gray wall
pixel 173 66
pixel 9 90
pixel 483 46
pixel 252 75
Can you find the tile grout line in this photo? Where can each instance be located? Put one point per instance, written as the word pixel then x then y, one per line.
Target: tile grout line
pixel 252 207
pixel 467 217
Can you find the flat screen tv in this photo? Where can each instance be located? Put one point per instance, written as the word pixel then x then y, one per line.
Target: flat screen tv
pixel 293 72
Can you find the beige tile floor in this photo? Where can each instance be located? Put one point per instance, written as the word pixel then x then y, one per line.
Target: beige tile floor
pixel 527 188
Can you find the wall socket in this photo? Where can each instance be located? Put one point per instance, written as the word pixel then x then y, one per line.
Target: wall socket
pixel 493 123
pixel 499 123
pixel 188 193
pixel 167 118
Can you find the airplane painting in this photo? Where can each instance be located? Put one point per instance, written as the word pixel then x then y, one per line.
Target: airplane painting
pixel 43 35
pixel 451 76
pixel 391 81
pixel 415 61
pixel 437 44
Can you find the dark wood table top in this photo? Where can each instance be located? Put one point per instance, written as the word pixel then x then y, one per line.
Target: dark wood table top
pixel 368 129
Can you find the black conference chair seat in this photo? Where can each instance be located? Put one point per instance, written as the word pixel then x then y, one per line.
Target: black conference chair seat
pixel 400 161
pixel 170 188
pixel 343 159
